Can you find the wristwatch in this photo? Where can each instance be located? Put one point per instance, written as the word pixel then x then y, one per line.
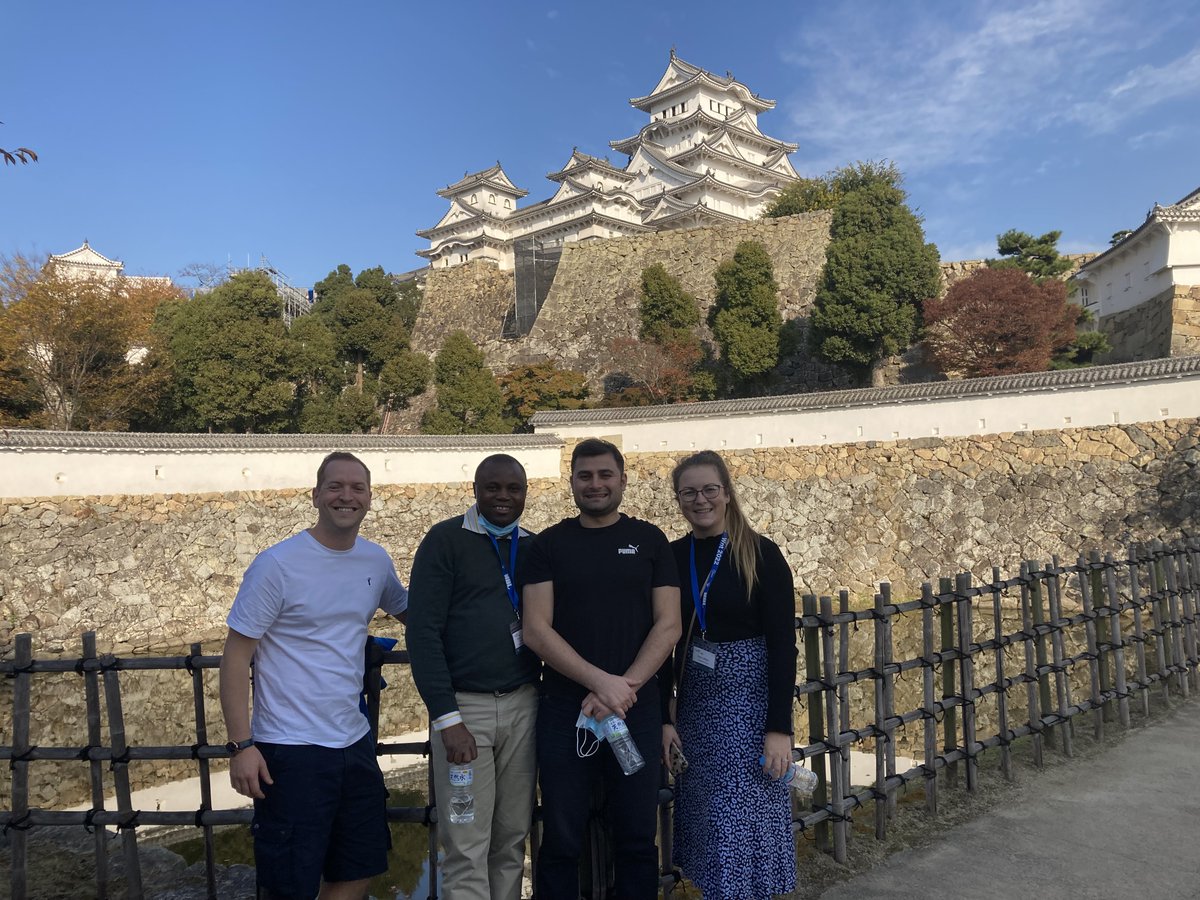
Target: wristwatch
pixel 234 747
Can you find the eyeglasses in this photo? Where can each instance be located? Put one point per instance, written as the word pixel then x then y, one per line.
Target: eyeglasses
pixel 688 495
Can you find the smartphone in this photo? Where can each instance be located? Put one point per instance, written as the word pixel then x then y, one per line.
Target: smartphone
pixel 679 762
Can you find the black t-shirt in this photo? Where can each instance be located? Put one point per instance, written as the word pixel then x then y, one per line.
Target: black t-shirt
pixel 771 613
pixel 603 579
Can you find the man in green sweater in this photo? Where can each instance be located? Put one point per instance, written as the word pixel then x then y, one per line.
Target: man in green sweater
pixel 477 679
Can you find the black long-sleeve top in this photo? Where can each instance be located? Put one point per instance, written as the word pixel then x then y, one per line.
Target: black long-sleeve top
pixel 770 613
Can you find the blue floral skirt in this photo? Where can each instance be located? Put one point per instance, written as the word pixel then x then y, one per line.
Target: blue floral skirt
pixel 733 824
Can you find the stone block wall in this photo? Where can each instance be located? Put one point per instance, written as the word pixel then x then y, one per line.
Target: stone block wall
pixel 1185 321
pixel 594 298
pixel 1143 332
pixel 155 573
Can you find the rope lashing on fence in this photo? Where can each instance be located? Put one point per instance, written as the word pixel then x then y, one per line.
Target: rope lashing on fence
pixel 26 756
pixel 23 822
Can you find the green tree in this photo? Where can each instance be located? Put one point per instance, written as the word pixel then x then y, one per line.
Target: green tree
pixel 340 279
pixel 468 398
pixel 1036 256
pixel 403 377
pixel 527 389
pixel 745 318
pixel 231 359
pixel 878 271
pixel 667 310
pixel 824 192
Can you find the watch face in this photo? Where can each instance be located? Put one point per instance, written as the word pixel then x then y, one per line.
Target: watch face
pixel 231 746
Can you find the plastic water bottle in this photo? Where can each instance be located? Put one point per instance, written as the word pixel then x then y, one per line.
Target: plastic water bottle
pixel 623 747
pixel 462 800
pixel 799 779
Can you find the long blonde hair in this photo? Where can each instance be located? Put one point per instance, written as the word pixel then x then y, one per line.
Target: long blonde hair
pixel 743 540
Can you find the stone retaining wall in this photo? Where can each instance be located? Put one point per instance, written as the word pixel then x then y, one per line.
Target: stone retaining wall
pixel 1168 324
pixel 155 573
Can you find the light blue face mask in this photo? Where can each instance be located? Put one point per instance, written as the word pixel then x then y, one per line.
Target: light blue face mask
pixel 588 735
pixel 497 531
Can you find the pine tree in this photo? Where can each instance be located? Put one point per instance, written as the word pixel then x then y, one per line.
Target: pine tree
pixel 468 398
pixel 878 271
pixel 745 318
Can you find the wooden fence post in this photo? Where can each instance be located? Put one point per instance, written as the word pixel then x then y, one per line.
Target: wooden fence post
pixel 23 657
pixel 967 661
pixel 1042 656
pixel 1103 638
pixel 927 685
pixel 816 722
pixel 1089 627
pixel 1031 679
pixel 1139 632
pixel 843 690
pixel 1178 628
pixel 1118 638
pixel 882 736
pixel 1062 682
pixel 949 664
pixel 202 764
pixel 120 770
pixel 1187 598
pixel 1001 681
pixel 91 690
pixel 838 787
pixel 889 688
pixel 1162 645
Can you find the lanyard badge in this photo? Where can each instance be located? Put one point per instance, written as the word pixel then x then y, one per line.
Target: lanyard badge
pixel 700 594
pixel 510 588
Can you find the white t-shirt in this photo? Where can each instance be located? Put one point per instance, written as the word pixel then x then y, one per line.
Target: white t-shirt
pixel 309 607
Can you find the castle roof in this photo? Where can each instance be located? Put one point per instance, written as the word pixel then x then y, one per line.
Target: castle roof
pixel 740 126
pixel 582 161
pixel 86 257
pixel 1185 210
pixel 493 178
pixel 681 77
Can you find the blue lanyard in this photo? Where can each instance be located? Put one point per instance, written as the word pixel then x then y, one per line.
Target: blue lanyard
pixel 699 594
pixel 511 570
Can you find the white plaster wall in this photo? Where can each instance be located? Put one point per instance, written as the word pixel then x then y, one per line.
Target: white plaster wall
pixel 1131 276
pixel 81 473
pixel 1031 411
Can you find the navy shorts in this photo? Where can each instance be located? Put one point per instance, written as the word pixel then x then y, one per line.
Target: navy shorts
pixel 324 817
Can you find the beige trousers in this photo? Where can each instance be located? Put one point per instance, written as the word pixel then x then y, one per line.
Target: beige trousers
pixel 485 859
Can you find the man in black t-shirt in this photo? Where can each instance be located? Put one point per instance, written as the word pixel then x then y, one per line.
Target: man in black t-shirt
pixel 601 604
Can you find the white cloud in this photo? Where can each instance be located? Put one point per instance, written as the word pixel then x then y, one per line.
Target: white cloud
pixel 927 91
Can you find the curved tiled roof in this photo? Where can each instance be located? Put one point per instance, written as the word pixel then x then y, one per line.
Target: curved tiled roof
pixel 21 439
pixel 1174 367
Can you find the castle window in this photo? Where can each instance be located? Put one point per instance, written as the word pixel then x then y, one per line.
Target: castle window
pixel 507 203
pixel 683 106
pixel 1084 300
pixel 492 199
pixel 474 200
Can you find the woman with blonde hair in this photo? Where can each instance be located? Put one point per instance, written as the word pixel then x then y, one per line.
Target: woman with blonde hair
pixel 735 673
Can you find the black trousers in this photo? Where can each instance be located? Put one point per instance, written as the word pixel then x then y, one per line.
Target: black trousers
pixel 631 801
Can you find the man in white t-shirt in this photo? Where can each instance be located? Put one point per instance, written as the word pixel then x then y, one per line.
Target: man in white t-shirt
pixel 301 618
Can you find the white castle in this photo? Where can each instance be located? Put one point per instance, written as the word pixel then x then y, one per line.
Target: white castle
pixel 701 160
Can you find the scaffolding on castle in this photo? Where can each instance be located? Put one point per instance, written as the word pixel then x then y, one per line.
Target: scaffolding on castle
pixel 295 302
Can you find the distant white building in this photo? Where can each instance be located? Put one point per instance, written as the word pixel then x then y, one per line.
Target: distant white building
pixel 84 263
pixel 1145 289
pixel 700 160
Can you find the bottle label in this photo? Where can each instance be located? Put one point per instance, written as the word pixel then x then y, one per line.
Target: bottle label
pixel 614 726
pixel 461 776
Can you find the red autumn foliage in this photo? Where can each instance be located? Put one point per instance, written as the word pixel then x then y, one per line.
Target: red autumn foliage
pixel 998 322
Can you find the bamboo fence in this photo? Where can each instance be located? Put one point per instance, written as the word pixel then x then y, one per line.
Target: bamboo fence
pixel 1017 659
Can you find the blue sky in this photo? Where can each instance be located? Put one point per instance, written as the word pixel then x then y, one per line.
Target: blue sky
pixel 317 133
